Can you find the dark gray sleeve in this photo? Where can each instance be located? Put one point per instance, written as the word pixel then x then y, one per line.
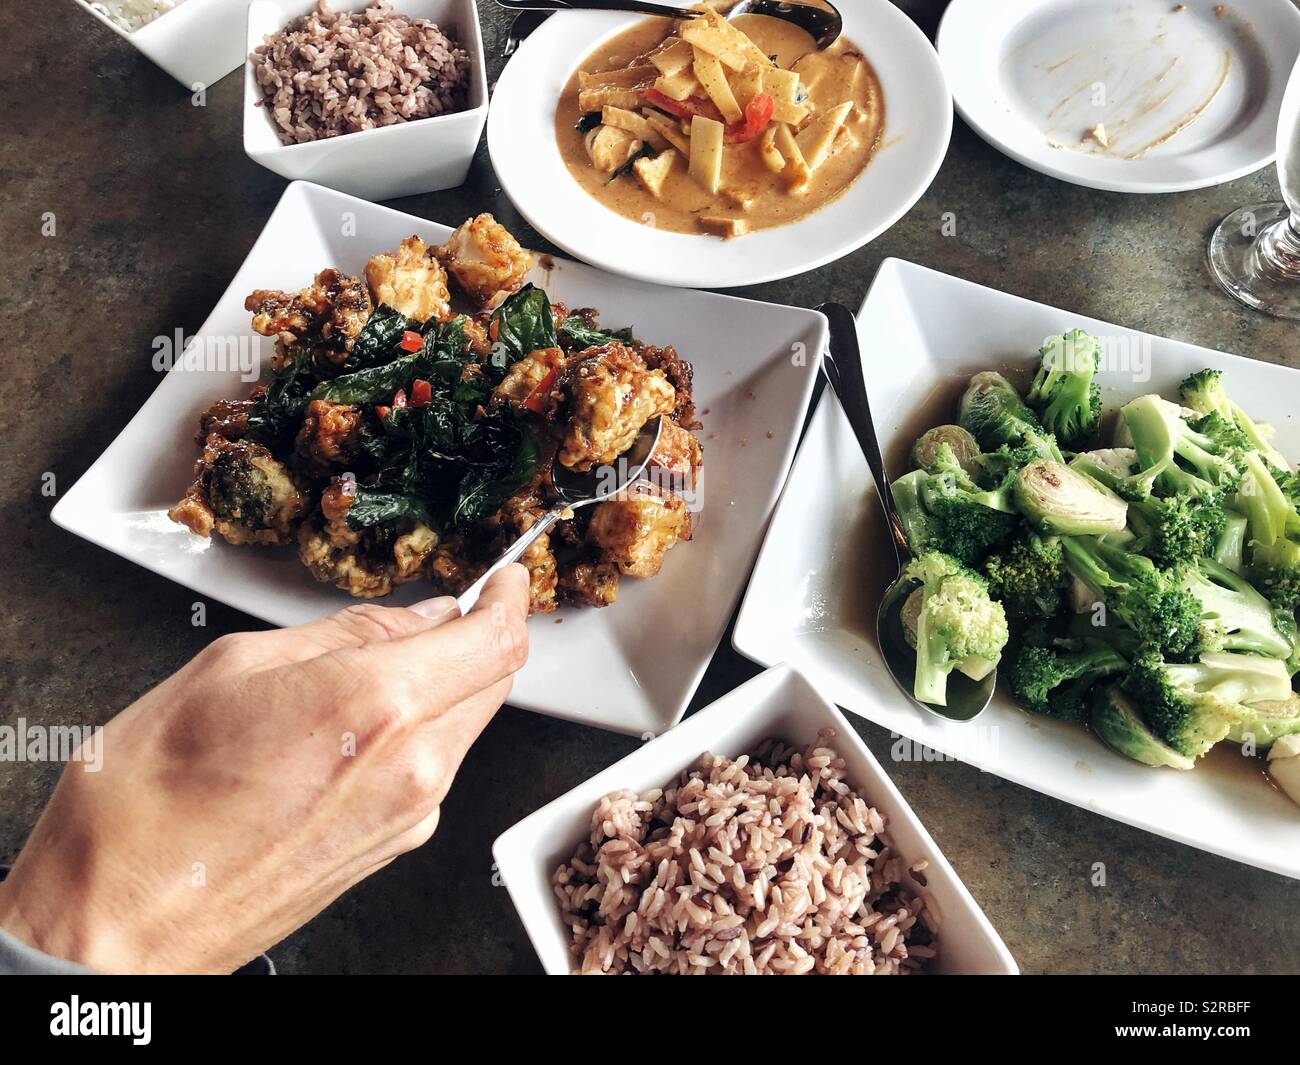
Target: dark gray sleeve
pixel 18 959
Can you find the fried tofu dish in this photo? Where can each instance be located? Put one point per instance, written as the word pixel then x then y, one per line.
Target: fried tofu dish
pixel 401 439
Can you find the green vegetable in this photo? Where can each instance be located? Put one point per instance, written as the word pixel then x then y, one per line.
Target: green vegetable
pixel 1148 600
pixel 370 507
pixel 958 627
pixel 487 486
pixel 1056 676
pixel 524 323
pixel 1192 707
pixel 1028 576
pixel 1237 617
pixel 1230 547
pixel 576 330
pixel 963 446
pixel 1118 724
pixel 378 338
pixel 942 509
pixel 588 121
pixel 1203 392
pixel 1064 392
pixel 1267 721
pixel 1057 499
pixel 993 412
pixel 646 151
pixel 278 411
pixel 1165 442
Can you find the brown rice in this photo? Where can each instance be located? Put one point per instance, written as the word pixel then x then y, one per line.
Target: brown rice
pixel 325 75
pixel 768 864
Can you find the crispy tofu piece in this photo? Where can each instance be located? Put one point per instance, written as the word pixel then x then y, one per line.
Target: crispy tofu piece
pixel 410 280
pixel 740 197
pixel 706 152
pixel 636 531
pixel 652 173
pixel 817 138
pixel 669 130
pixel 672 57
pixel 709 71
pixel 721 226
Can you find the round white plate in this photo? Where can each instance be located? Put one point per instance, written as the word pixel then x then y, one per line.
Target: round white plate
pixel 1037 77
pixel 521 140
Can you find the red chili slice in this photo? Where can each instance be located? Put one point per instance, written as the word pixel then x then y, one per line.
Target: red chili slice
pixel 421 392
pixel 536 401
pixel 692 105
pixel 758 116
pixel 411 341
pixel 383 412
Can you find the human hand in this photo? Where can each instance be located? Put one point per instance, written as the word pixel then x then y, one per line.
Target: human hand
pixel 248 791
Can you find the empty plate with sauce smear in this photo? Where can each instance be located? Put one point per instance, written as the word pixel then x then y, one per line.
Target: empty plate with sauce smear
pixel 1124 95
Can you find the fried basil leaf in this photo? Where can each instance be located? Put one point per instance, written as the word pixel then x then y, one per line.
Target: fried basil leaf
pixel 483 489
pixel 376 507
pixel 278 410
pixel 589 121
pixel 524 323
pixel 581 335
pixel 378 338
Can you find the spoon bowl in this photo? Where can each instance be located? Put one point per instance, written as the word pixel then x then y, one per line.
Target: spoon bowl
pixel 967 699
pixel 573 489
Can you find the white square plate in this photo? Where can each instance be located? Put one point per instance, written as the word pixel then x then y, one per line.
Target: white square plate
pixel 632 667
pixel 198 43
pixel 813 596
pixel 779 702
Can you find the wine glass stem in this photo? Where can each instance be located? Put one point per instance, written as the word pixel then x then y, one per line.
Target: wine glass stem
pixel 1279 248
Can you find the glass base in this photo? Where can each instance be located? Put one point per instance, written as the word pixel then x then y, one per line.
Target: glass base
pixel 1251 257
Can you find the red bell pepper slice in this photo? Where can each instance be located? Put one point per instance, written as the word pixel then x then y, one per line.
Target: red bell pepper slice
pixel 758 116
pixel 421 392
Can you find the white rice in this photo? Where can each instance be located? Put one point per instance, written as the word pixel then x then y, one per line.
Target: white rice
pixel 133 15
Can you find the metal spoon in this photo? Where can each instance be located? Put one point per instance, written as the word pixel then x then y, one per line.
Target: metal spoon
pixel 524 24
pixel 824 25
pixel 572 490
pixel 842 366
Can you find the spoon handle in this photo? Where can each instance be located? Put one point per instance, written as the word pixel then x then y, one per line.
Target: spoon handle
pixel 641 6
pixel 469 596
pixel 843 369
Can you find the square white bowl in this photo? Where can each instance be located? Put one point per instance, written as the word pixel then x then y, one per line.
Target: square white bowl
pixel 631 667
pixel 425 155
pixel 197 43
pixel 813 595
pixel 778 702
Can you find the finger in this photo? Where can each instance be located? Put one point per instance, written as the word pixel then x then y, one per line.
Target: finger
pixel 433 670
pixel 356 626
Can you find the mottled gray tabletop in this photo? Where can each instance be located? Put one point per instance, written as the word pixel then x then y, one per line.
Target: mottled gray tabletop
pixel 157 206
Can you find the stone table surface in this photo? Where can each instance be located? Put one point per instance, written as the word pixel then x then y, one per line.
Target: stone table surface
pixel 156 206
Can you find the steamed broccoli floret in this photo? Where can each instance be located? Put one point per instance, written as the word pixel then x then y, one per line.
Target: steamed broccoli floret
pixel 993 412
pixel 1028 576
pixel 1204 393
pixel 1148 600
pixel 942 509
pixel 1171 530
pixel 1273 531
pixel 1055 678
pixel 1236 617
pixel 1192 707
pixel 1064 394
pixel 958 625
pixel 1175 457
